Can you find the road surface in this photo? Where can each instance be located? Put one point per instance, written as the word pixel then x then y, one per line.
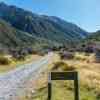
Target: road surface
pixel 13 82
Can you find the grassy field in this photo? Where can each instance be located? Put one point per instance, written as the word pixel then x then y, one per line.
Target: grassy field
pixel 89 80
pixel 84 64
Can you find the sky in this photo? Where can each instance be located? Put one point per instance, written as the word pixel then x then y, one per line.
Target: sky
pixel 84 13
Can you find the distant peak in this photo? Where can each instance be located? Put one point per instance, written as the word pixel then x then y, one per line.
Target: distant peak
pixel 2 4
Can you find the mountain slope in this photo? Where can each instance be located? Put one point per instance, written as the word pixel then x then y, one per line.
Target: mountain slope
pixel 20 28
pixel 46 27
pixel 11 37
pixel 93 37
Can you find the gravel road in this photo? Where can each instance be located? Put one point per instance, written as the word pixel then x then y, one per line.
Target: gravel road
pixel 13 83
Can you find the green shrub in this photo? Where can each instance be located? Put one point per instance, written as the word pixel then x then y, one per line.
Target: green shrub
pixel 63 66
pixel 4 61
pixel 67 55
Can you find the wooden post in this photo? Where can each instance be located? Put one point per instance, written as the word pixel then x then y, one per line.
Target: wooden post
pixel 49 87
pixel 76 87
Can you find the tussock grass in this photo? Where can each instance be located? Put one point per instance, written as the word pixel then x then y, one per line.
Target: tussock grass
pixel 4 61
pixel 89 79
pixel 63 66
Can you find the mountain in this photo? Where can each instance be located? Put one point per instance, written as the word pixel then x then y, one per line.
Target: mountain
pixel 85 44
pixel 11 37
pixel 25 28
pixel 93 37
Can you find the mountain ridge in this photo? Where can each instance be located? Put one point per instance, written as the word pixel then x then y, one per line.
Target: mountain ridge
pixel 50 29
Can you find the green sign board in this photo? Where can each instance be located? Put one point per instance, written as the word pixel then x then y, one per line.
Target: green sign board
pixel 63 76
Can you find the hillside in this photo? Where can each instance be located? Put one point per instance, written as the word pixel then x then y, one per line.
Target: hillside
pixel 49 28
pixel 11 37
pixel 94 37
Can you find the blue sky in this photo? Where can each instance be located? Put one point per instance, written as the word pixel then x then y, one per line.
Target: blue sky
pixel 84 13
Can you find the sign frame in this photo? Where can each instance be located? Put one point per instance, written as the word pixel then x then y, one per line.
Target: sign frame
pixel 69 75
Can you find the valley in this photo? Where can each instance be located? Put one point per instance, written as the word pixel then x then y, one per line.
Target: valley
pixel 32 45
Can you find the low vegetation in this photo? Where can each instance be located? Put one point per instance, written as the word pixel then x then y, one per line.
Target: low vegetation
pixel 84 63
pixel 4 60
pixel 63 66
pixel 89 79
pixel 8 62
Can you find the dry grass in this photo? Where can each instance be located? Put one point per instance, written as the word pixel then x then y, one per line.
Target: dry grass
pixel 89 79
pixel 16 63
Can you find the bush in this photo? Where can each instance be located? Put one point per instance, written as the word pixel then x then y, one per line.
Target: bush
pixel 4 61
pixel 19 57
pixel 63 66
pixel 80 57
pixel 67 55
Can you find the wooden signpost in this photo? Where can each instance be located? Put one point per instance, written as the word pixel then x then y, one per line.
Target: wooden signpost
pixel 63 76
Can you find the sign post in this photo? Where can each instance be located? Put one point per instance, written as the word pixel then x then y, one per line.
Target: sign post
pixel 63 76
